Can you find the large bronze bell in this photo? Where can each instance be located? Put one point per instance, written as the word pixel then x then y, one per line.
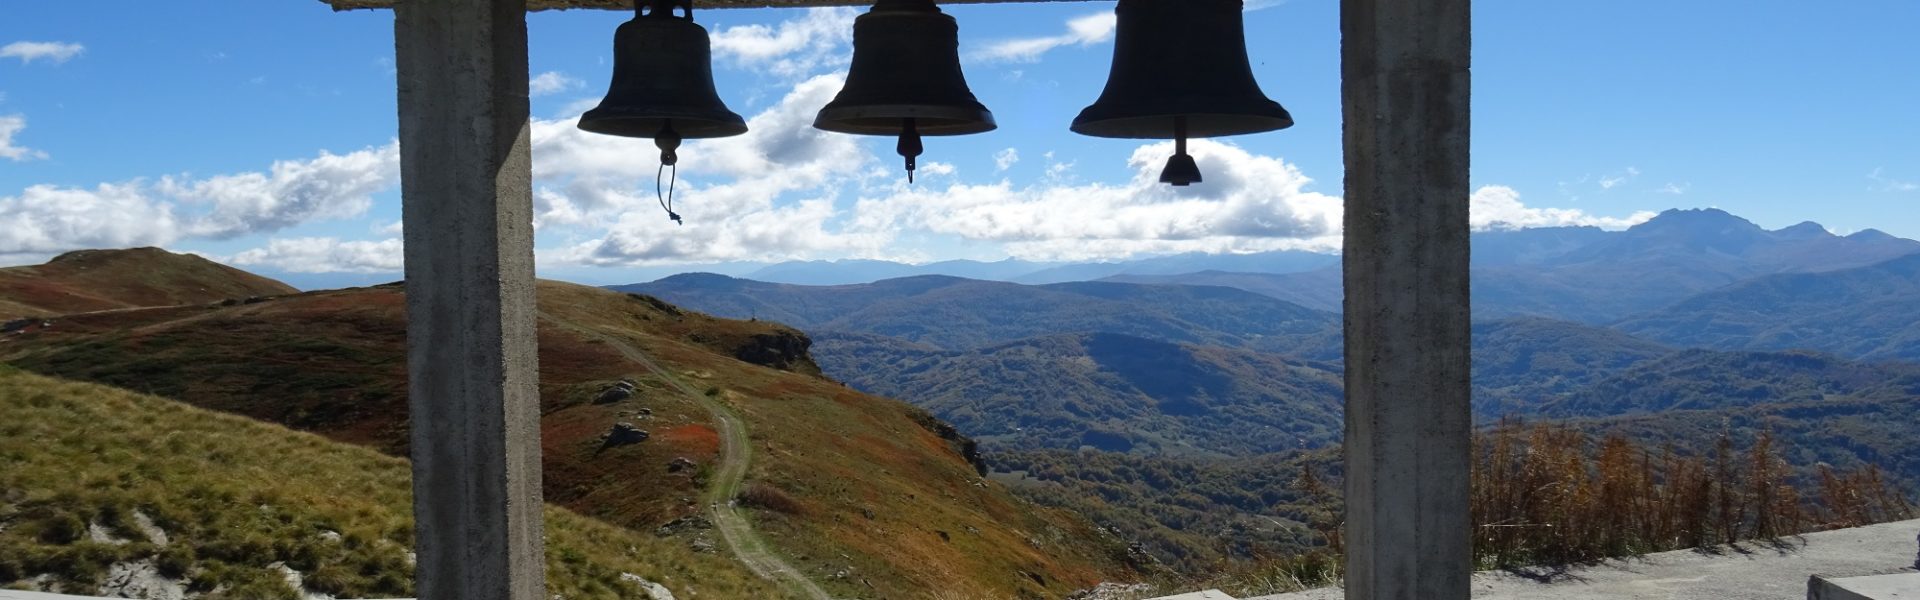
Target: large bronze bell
pixel 1180 70
pixel 663 81
pixel 906 79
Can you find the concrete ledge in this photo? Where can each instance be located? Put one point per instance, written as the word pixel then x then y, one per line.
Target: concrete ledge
pixel 1896 586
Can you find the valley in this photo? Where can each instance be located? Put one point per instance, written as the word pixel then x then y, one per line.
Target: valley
pixel 1030 440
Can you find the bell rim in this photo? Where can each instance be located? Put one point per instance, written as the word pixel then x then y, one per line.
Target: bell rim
pixel 961 120
pixel 1117 127
pixel 688 127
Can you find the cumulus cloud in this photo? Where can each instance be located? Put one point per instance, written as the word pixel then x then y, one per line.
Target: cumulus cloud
pixel 326 255
pixel 331 186
pixel 820 38
pixel 552 82
pixel 1249 203
pixel 10 125
pixel 1084 30
pixel 53 52
pixel 1499 207
pixel 46 219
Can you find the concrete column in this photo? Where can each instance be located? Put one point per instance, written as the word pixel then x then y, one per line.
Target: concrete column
pixel 1406 86
pixel 471 360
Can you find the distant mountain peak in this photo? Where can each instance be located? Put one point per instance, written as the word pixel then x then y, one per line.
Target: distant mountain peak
pixel 1696 219
pixel 1871 235
pixel 1805 230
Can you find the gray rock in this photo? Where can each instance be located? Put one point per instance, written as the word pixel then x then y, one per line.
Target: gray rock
pixel 680 464
pixel 613 394
pixel 625 434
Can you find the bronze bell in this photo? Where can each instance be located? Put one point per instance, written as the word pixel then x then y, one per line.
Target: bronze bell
pixel 906 79
pixel 663 82
pixel 1180 70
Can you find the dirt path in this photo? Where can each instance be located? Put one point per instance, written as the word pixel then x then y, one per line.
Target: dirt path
pixel 736 452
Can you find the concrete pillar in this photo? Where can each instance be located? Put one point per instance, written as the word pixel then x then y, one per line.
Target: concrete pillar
pixel 467 204
pixel 1406 87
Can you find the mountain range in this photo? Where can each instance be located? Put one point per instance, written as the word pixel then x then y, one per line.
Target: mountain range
pixel 1226 363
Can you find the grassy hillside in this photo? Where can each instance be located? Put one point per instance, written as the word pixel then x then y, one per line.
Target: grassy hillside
pixel 99 480
pixel 868 497
pixel 92 280
pixel 1107 391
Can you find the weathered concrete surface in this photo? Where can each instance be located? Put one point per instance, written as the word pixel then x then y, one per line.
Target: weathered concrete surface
pixel 1406 81
pixel 466 186
pixel 1897 586
pixel 1749 573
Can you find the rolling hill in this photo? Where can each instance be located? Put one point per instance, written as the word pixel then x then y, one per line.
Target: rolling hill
pixel 172 499
pixel 1521 365
pixel 866 497
pixel 95 280
pixel 1106 391
pixel 1867 313
pixel 1708 380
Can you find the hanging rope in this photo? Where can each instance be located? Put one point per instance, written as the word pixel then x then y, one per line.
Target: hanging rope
pixel 666 197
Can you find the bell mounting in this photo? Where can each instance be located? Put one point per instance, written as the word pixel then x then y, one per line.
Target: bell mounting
pixel 1180 70
pixel 906 80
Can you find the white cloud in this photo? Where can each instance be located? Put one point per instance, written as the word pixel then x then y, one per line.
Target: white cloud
pixel 1882 183
pixel 552 82
pixel 54 52
pixel 1084 30
pixel 1499 207
pixel 1614 180
pixel 331 186
pixel 1005 159
pixel 1249 203
pixel 326 255
pixel 796 48
pixel 743 215
pixel 1677 189
pixel 11 125
pixel 46 219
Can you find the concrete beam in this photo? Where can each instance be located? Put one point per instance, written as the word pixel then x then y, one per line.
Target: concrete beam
pixel 1405 76
pixel 466 186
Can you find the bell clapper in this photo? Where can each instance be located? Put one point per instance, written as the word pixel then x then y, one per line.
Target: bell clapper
pixel 1181 170
pixel 668 141
pixel 910 146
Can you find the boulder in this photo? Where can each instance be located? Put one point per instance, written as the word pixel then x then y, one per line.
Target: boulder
pixel 625 434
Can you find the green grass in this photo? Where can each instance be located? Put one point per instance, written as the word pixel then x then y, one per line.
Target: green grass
pixel 235 496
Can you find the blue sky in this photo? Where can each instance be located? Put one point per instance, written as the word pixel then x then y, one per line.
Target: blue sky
pixel 261 133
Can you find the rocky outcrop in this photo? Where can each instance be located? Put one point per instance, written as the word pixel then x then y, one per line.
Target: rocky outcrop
pixel 624 434
pixel 786 350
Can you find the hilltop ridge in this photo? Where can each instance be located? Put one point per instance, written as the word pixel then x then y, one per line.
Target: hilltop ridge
pixel 95 280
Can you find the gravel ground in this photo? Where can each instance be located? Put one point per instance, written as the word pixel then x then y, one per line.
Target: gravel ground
pixel 1750 572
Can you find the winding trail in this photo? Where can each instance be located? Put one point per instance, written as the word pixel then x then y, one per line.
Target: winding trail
pixel 736 452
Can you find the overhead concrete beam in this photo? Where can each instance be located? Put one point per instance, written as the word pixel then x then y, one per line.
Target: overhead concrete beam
pixel 466 187
pixel 1406 85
